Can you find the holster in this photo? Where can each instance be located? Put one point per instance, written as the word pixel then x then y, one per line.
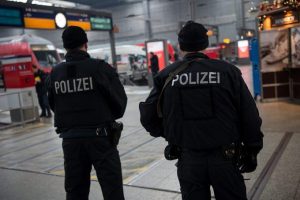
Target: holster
pixel 233 152
pixel 115 132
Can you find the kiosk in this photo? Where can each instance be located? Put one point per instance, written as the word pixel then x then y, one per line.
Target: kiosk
pixel 279 36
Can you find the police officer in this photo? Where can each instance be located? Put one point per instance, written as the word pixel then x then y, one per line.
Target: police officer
pixel 86 97
pixel 154 64
pixel 207 113
pixel 40 78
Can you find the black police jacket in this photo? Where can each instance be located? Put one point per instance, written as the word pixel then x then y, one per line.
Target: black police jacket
pixel 85 92
pixel 207 105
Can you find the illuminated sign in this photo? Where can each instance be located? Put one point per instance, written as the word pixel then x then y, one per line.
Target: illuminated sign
pixel 226 40
pixel 158 48
pixel 78 19
pixel 39 18
pixel 284 19
pixel 45 17
pixel 11 17
pixel 101 23
pixel 243 49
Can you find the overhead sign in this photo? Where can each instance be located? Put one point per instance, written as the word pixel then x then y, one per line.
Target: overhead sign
pixel 11 17
pixel 43 17
pixel 39 18
pixel 78 19
pixel 101 23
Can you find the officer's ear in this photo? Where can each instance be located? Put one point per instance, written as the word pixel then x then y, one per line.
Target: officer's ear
pixel 86 46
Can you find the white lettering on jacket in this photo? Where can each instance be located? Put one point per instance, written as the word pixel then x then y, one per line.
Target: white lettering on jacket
pixel 73 85
pixel 198 78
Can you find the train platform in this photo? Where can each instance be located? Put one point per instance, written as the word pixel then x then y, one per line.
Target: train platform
pixel 31 159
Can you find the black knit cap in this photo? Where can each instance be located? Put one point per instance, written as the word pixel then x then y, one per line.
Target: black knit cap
pixel 73 37
pixel 193 37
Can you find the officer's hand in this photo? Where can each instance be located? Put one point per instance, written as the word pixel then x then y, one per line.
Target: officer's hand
pixel 172 152
pixel 248 163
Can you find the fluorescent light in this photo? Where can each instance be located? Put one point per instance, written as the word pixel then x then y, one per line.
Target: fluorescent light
pixel 21 1
pixel 42 3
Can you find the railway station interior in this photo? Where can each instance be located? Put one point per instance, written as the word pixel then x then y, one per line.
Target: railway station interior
pixel 260 37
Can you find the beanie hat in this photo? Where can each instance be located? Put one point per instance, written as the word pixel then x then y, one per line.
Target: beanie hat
pixel 193 37
pixel 73 37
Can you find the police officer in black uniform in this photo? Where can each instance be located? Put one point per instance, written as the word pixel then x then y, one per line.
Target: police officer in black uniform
pixel 40 87
pixel 86 97
pixel 209 119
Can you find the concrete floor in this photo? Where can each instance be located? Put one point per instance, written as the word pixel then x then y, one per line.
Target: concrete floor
pixel 31 161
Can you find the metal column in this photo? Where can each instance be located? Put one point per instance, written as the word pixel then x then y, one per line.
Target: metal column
pixel 148 28
pixel 240 15
pixel 192 9
pixel 113 49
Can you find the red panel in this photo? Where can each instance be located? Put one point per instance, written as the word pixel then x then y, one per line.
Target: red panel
pixel 17 72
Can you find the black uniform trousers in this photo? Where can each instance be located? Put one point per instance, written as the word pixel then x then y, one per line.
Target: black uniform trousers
pixel 197 171
pixel 79 155
pixel 44 104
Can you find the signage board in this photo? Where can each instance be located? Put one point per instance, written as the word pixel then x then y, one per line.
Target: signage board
pixel 289 17
pixel 101 23
pixel 159 49
pixel 43 17
pixel 39 18
pixel 78 19
pixel 10 16
pixel 243 49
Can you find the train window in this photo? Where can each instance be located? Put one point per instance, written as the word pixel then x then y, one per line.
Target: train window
pixel 47 58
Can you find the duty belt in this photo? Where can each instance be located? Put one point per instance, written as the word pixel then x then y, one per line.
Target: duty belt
pixel 102 131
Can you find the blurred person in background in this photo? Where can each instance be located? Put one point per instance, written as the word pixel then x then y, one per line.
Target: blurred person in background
pixel 40 80
pixel 154 65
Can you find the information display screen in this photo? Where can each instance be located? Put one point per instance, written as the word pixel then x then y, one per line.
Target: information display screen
pixel 101 23
pixel 39 18
pixel 78 19
pixel 11 17
pixel 158 48
pixel 243 49
pixel 44 17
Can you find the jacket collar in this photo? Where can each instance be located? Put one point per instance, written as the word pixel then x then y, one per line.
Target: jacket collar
pixel 193 55
pixel 76 55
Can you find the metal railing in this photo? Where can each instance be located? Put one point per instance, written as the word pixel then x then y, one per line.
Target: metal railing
pixel 19 107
